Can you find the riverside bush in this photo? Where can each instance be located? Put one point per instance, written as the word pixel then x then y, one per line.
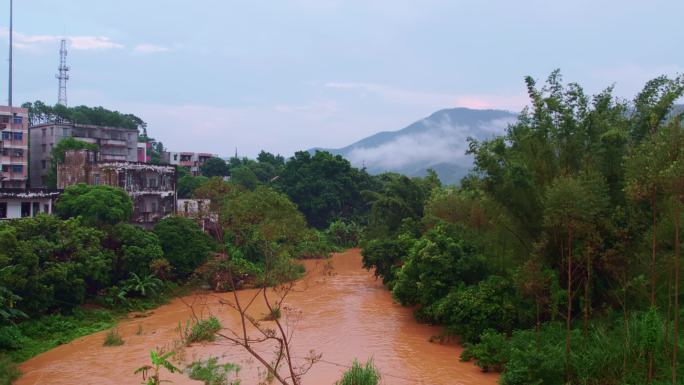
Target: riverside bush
pixel 204 330
pixel 367 374
pixel 211 372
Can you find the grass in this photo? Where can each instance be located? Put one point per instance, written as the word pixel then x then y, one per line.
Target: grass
pixel 273 315
pixel 361 375
pixel 32 337
pixel 204 330
pixel 113 338
pixel 211 373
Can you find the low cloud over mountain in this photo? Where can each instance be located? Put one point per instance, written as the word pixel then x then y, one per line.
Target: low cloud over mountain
pixel 438 141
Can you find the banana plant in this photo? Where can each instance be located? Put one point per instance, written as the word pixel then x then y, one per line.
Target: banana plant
pixel 150 373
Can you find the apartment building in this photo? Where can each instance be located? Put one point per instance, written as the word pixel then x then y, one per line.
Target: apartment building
pixel 114 144
pixel 13 147
pixel 151 187
pixel 192 160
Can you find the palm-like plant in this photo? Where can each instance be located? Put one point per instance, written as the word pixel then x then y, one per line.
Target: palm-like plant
pixel 158 360
pixel 147 285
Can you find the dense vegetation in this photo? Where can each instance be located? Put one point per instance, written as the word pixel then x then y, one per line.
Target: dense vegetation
pixel 40 113
pixel 557 260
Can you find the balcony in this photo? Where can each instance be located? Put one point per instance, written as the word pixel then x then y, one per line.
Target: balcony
pixel 113 157
pixel 86 139
pixel 112 142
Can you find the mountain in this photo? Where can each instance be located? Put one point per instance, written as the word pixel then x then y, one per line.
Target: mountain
pixel 438 141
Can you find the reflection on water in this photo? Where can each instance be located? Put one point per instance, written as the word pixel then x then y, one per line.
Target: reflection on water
pixel 345 314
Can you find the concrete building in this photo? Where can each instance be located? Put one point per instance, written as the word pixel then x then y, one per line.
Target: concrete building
pixel 114 143
pixel 14 155
pixel 197 210
pixel 151 187
pixel 21 203
pixel 143 147
pixel 192 160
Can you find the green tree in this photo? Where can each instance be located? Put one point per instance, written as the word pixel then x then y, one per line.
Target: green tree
pixel 187 185
pixel 214 167
pixel 96 205
pixel 323 186
pixel 184 243
pixel 261 217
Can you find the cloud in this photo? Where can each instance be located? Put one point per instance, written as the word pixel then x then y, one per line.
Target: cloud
pixel 442 141
pixel 150 48
pixel 431 99
pixel 39 43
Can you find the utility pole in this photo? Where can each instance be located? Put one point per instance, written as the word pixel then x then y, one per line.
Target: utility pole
pixel 9 91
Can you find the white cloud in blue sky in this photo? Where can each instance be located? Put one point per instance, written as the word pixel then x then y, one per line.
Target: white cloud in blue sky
pixel 212 75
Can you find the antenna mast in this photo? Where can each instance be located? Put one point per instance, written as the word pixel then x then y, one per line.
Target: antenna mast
pixel 63 75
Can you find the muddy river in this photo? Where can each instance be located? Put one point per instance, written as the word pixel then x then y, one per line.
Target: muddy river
pixel 344 314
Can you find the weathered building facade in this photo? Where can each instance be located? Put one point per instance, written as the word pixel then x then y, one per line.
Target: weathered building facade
pixel 151 187
pixel 14 154
pixel 22 203
pixel 193 161
pixel 114 144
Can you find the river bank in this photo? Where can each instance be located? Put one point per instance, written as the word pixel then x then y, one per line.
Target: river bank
pixel 346 314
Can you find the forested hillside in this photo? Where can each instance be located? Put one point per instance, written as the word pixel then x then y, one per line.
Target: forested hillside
pixel 558 259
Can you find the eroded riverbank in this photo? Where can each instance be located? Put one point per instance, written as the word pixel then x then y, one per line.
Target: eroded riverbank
pixel 345 315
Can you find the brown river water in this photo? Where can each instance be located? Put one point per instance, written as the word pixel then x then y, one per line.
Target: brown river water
pixel 345 313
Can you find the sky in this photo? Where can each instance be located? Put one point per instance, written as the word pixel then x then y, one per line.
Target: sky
pixel 287 75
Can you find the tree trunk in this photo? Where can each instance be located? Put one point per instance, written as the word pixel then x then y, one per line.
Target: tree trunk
pixel 587 283
pixel 676 296
pixel 649 377
pixel 568 320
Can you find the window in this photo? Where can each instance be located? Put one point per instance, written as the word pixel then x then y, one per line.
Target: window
pixel 18 119
pixel 5 167
pixel 43 147
pixel 18 136
pixel 36 208
pixel 43 164
pixel 25 209
pixel 154 206
pixel 46 208
pixel 129 180
pixel 44 132
pixel 152 183
pixel 3 209
pixel 17 168
pixel 51 132
pixel 4 151
pixel 18 152
pixel 97 180
pixel 6 135
pixel 65 132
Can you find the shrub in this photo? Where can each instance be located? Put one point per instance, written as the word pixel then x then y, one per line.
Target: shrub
pixel 467 311
pixel 212 373
pixel 491 352
pixel 218 271
pixel 113 338
pixel 8 370
pixel 204 330
pixel 11 338
pixel 361 375
pixel 184 243
pixel 313 244
pixel 344 234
